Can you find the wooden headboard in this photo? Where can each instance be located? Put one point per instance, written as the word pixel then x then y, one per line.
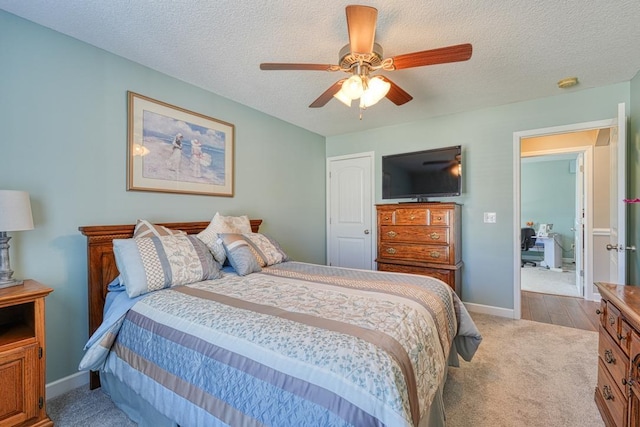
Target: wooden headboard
pixel 102 268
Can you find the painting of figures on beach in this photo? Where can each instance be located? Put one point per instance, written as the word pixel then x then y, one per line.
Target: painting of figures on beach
pixel 176 150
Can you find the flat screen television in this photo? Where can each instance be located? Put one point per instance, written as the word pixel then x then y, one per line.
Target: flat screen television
pixel 422 174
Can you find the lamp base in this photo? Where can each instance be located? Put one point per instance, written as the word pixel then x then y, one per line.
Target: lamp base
pixel 9 283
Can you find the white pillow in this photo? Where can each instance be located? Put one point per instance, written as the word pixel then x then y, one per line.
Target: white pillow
pixel 223 224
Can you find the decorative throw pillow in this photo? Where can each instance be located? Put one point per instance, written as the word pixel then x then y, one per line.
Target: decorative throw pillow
pixel 146 229
pixel 155 263
pixel 248 253
pixel 223 224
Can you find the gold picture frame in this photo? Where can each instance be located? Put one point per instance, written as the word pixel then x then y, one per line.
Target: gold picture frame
pixel 174 150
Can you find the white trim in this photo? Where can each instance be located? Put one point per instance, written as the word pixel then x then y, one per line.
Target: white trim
pixel 66 384
pixel 488 309
pixel 601 231
pixel 374 218
pixel 588 243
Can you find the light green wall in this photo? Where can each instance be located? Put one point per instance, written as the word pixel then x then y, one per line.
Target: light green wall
pixel 486 136
pixel 633 157
pixel 64 127
pixel 548 195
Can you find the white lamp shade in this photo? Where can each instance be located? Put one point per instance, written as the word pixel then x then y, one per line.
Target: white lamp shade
pixel 15 211
pixel 342 97
pixel 376 90
pixel 352 87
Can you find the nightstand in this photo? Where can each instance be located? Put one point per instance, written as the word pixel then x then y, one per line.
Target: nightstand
pixel 22 355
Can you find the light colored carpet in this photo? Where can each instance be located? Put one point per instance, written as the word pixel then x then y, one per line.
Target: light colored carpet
pixel 547 281
pixel 525 374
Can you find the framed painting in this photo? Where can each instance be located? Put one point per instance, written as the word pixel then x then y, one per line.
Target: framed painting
pixel 174 150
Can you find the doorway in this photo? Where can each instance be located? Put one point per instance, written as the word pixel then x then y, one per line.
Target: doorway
pixel 588 225
pixel 553 191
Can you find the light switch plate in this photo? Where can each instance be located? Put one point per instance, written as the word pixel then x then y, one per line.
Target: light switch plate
pixel 490 217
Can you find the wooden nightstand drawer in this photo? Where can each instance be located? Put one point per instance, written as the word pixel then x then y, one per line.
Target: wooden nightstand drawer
pixel 415 233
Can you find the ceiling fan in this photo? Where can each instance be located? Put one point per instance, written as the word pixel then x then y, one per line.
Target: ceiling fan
pixel 362 57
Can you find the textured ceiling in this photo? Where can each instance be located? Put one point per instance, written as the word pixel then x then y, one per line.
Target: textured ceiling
pixel 521 48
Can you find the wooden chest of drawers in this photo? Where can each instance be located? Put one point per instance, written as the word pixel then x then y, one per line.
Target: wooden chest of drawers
pixel 617 393
pixel 420 238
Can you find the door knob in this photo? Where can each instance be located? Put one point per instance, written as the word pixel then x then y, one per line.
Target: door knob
pixel 366 231
pixel 620 248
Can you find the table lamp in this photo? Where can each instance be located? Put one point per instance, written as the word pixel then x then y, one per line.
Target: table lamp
pixel 15 215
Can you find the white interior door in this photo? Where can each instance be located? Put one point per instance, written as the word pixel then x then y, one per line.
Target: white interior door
pixel 350 207
pixel 618 187
pixel 578 237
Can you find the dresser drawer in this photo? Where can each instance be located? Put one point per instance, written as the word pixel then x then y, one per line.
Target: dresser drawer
pixel 439 217
pixel 411 217
pixel 615 361
pixel 447 276
pixel 418 252
pixel 415 233
pixel 614 400
pixel 617 327
pixel 385 217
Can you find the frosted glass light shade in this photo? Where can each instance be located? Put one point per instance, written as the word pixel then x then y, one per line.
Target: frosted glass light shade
pixel 342 97
pixel 376 90
pixel 352 87
pixel 15 211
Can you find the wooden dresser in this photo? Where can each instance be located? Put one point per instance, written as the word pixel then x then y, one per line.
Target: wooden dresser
pixel 618 391
pixel 421 238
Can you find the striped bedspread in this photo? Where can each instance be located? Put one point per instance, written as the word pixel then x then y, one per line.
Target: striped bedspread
pixel 297 344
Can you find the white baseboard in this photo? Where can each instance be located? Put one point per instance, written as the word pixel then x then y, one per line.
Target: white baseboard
pixel 63 385
pixel 487 309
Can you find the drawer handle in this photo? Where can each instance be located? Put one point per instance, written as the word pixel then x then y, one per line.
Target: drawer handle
pixel 386 218
pixel 608 356
pixel 392 233
pixel 621 337
pixel 434 236
pixel 606 392
pixel 435 254
pixel 598 311
pixel 412 217
pixel 612 320
pixel 439 218
pixel 391 251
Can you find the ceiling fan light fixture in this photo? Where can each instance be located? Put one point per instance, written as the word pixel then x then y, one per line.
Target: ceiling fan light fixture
pixel 353 87
pixel 342 97
pixel 377 89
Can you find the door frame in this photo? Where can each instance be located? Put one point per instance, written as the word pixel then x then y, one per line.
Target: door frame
pixel 371 156
pixel 588 241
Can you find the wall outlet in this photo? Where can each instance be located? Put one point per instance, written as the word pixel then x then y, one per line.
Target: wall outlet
pixel 490 217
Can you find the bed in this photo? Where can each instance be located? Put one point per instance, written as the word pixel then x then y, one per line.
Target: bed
pixel 291 344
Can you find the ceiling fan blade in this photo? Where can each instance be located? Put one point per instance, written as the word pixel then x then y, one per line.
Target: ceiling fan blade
pixel 361 23
pixel 396 94
pixel 289 66
pixel 443 55
pixel 327 95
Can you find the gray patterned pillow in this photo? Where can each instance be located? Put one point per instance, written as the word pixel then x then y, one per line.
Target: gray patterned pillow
pixel 223 224
pixel 248 253
pixel 144 228
pixel 155 263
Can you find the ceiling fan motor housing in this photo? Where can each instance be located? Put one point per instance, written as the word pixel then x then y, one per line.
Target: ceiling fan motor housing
pixel 372 60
